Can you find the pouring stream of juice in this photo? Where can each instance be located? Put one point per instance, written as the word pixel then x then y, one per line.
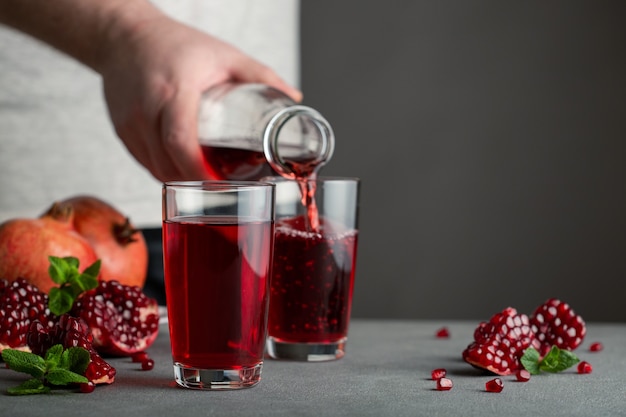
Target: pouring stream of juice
pixel 305 175
pixel 237 164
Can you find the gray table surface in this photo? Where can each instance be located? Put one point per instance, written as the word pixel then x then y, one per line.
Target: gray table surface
pixel 386 372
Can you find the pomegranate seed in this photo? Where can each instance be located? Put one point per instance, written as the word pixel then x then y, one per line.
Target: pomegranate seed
pixel 87 387
pixel 139 357
pixel 523 375
pixel 147 365
pixel 584 367
pixel 596 347
pixel 494 385
pixel 442 333
pixel 438 373
pixel 444 384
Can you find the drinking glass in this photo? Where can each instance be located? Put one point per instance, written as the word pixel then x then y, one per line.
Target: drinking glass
pixel 217 252
pixel 312 281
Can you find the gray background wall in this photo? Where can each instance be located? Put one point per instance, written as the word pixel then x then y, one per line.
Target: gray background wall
pixel 490 138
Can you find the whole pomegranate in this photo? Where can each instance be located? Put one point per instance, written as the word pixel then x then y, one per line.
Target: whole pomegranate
pixel 25 245
pixel 121 248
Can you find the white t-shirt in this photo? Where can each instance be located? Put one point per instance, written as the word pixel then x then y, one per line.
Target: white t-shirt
pixel 56 139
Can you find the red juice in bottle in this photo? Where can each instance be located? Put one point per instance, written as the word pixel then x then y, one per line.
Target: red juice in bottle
pixel 312 282
pixel 235 164
pixel 217 280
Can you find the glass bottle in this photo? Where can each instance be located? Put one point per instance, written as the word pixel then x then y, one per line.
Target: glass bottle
pixel 248 131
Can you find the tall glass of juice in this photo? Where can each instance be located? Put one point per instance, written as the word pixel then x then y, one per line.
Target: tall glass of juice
pixel 314 266
pixel 217 254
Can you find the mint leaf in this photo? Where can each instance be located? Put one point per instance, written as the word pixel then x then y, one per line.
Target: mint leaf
pixel 53 356
pixel 64 376
pixel 71 261
pixel 92 270
pixel 78 359
pixel 58 367
pixel 530 361
pixel 32 386
pixel 60 300
pixel 558 360
pixel 58 269
pixel 26 362
pixel 83 283
pixel 64 271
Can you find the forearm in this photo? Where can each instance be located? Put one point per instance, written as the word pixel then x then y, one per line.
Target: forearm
pixel 83 29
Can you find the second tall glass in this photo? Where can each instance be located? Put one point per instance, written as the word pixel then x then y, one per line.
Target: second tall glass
pixel 314 266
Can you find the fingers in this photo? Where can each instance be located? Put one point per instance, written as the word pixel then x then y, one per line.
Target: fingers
pixel 249 70
pixel 179 143
pixel 166 144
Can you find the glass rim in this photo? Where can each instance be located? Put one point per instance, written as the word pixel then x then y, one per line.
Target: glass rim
pixel 331 178
pixel 217 184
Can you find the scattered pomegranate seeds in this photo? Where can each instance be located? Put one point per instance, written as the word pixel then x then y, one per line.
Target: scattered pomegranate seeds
pixel 494 385
pixel 147 365
pixel 438 373
pixel 596 347
pixel 523 375
pixel 142 357
pixel 139 357
pixel 87 387
pixel 584 367
pixel 443 333
pixel 444 384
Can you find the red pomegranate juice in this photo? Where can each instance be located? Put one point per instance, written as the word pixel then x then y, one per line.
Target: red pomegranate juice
pixel 235 164
pixel 312 282
pixel 225 163
pixel 217 279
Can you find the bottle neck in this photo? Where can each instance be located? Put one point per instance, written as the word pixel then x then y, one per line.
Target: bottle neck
pixel 316 147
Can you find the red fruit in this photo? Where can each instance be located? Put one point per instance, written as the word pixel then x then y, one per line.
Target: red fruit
pixel 21 304
pixel 438 373
pixel 147 365
pixel 121 248
pixel 500 343
pixel 555 323
pixel 123 320
pixel 140 357
pixel 442 333
pixel 523 375
pixel 25 245
pixel 444 384
pixel 596 347
pixel 71 332
pixel 584 368
pixel 494 385
pixel 87 387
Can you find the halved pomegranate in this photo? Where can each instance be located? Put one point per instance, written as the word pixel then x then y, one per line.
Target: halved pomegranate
pixel 21 304
pixel 499 343
pixel 123 320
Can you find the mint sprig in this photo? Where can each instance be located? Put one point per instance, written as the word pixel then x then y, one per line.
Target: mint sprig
pixel 65 273
pixel 58 367
pixel 557 360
